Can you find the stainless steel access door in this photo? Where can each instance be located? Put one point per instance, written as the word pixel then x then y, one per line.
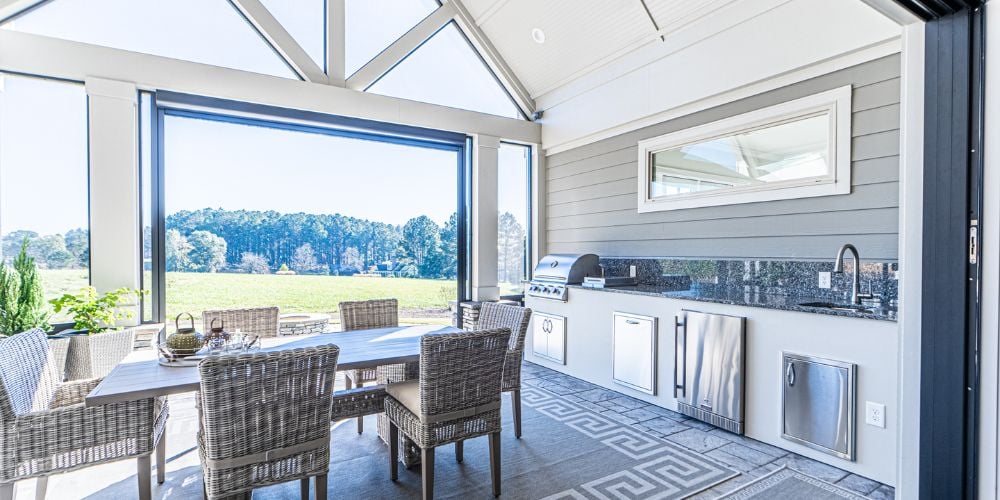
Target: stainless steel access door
pixel 818 404
pixel 710 355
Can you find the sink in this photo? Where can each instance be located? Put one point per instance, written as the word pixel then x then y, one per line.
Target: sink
pixel 837 307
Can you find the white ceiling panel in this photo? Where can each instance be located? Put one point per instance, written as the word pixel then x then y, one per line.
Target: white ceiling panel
pixel 674 14
pixel 580 35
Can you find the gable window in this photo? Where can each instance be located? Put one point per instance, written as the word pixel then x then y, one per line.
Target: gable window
pixel 204 31
pixel 797 149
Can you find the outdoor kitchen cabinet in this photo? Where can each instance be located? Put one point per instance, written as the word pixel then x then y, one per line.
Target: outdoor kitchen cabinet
pixel 549 337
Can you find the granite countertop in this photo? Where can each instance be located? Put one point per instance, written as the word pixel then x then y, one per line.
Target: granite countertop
pixel 751 298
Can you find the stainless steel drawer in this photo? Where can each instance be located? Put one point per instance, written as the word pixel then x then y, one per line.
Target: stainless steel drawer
pixel 634 352
pixel 818 407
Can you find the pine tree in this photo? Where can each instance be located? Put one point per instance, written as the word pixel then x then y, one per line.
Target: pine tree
pixel 32 311
pixel 10 293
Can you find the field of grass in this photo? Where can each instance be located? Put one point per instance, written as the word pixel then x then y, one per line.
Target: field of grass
pixel 420 300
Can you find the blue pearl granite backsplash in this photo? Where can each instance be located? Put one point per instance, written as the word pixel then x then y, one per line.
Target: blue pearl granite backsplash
pixel 770 277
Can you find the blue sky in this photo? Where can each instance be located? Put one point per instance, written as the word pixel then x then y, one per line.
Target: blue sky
pixel 209 164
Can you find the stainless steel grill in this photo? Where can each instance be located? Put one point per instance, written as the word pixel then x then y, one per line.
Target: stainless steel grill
pixel 557 270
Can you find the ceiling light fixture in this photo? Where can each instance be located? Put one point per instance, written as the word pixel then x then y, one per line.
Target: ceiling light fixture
pixel 538 35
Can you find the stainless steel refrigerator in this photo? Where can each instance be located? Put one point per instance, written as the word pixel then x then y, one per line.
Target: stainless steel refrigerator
pixel 709 361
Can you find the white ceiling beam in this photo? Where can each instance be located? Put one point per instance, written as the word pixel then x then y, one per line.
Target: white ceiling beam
pixel 398 50
pixel 11 8
pixel 336 49
pixel 282 42
pixel 493 59
pixel 31 54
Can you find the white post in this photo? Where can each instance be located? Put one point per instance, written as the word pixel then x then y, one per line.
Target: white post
pixel 911 195
pixel 485 158
pixel 989 403
pixel 114 185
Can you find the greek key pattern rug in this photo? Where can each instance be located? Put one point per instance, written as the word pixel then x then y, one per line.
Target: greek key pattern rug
pixel 641 466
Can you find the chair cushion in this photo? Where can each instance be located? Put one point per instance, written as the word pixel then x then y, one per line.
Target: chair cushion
pixel 407 393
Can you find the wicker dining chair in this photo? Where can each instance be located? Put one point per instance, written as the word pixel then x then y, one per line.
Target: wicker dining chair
pixel 262 321
pixel 365 315
pixel 457 397
pixel 265 419
pixel 495 315
pixel 46 429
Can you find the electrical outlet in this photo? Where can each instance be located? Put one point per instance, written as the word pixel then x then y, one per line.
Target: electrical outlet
pixel 875 414
pixel 824 280
pixel 631 271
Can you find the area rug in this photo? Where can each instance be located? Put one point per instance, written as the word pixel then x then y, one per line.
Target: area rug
pixel 791 484
pixel 566 451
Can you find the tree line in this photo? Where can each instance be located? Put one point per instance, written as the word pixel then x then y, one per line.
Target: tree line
pixel 261 242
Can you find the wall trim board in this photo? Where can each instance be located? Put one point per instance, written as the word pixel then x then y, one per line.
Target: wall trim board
pixel 871 53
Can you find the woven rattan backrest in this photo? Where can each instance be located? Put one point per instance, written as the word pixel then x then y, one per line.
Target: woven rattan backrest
pixel 28 374
pixel 494 315
pixel 461 370
pixel 366 314
pixel 260 402
pixel 261 321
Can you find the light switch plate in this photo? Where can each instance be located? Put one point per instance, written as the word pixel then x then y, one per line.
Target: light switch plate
pixel 875 414
pixel 824 280
pixel 631 271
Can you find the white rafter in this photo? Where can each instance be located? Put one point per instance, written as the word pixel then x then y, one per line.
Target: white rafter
pixel 398 50
pixel 11 8
pixel 336 50
pixel 481 43
pixel 282 42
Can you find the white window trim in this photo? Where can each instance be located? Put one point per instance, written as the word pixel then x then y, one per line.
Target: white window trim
pixel 835 103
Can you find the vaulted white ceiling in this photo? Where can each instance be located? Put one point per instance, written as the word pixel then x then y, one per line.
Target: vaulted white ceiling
pixel 580 35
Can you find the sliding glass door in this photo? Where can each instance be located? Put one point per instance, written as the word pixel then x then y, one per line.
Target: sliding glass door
pixel 272 213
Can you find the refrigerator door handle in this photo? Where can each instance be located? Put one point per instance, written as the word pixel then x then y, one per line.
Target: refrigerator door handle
pixel 681 353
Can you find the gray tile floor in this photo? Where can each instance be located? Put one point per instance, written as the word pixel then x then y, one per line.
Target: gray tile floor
pixel 753 458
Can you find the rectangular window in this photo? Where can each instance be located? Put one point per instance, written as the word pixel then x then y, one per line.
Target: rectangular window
pixel 796 149
pixel 44 193
pixel 513 211
pixel 272 213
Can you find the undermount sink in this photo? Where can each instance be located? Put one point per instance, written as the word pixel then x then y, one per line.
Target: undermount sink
pixel 837 307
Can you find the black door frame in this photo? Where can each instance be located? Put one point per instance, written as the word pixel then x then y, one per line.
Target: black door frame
pixel 950 324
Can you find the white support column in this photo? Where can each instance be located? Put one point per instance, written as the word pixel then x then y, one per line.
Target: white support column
pixel 911 222
pixel 989 403
pixel 538 220
pixel 485 158
pixel 114 184
pixel 336 49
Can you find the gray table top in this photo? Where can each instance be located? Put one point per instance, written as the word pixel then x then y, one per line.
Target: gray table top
pixel 140 375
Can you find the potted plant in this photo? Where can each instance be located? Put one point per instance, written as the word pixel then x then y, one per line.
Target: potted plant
pixel 96 345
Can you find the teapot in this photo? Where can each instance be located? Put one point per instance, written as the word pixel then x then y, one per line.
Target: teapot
pixel 185 341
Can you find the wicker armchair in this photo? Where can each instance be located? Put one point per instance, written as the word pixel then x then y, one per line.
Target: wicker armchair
pixel 456 398
pixel 261 321
pixel 365 315
pixel 265 419
pixel 494 315
pixel 45 428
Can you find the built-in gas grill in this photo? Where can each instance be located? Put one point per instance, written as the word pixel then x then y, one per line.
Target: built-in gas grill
pixel 557 270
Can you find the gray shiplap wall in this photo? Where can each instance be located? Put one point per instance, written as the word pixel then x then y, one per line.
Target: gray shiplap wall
pixel 591 190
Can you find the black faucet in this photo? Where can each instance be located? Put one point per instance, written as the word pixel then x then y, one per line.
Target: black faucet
pixel 838 267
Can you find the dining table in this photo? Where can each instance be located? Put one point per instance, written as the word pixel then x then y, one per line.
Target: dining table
pixel 141 375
